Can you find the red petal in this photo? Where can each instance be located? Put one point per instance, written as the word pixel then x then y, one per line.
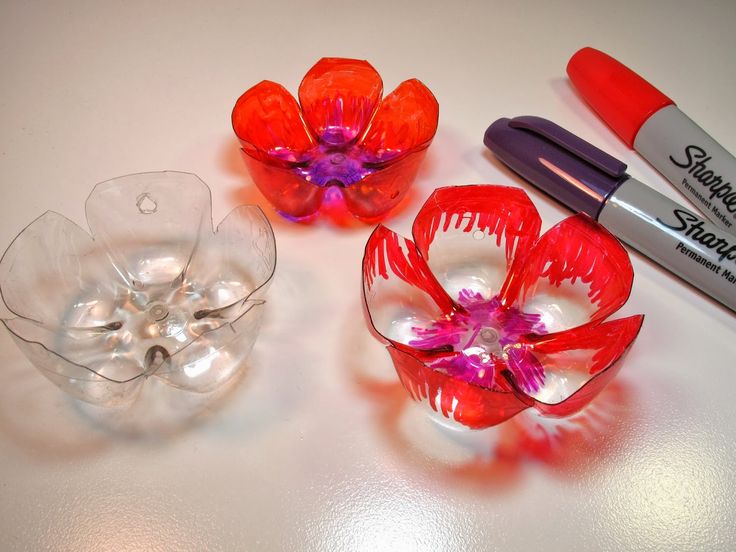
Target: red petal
pixel 338 97
pixel 468 404
pixel 586 354
pixel 400 291
pixel 375 195
pixel 471 234
pixel 405 121
pixel 267 120
pixel 287 192
pixel 576 269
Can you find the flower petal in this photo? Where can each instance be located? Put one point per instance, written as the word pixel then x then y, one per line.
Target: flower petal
pixel 400 292
pixel 150 232
pixel 576 273
pixel 217 355
pixel 246 249
pixel 70 361
pixel 268 121
pixel 470 235
pixel 54 274
pixel 235 264
pixel 405 121
pixel 338 97
pixel 579 363
pixel 375 195
pixel 468 404
pixel 288 192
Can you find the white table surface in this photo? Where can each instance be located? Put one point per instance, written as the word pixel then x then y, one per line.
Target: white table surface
pixel 316 447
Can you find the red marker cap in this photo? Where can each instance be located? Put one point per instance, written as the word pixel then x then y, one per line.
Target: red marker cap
pixel 621 98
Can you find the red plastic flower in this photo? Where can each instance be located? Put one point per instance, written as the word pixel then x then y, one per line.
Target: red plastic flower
pixel 485 317
pixel 343 136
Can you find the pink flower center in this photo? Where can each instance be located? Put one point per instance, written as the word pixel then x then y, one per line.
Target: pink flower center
pixel 487 338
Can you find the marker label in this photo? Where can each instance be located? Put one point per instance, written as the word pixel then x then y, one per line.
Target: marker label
pixel 695 163
pixel 679 240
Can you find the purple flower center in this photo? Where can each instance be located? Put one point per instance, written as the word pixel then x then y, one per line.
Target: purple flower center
pixel 335 166
pixel 331 165
pixel 486 336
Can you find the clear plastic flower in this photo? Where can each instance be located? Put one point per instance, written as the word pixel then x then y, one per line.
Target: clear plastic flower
pixel 153 292
pixel 485 318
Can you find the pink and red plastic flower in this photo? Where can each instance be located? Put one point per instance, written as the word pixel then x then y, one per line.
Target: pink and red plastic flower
pixel 485 318
pixel 341 135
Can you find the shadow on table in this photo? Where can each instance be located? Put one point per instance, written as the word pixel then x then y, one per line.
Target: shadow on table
pixel 52 426
pixel 490 460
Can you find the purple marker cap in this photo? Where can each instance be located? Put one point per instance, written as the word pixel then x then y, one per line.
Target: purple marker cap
pixel 569 169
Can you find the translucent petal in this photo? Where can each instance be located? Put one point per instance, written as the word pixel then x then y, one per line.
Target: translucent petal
pixel 217 355
pixel 579 363
pixel 268 121
pixel 233 270
pixel 247 249
pixel 235 264
pixel 150 224
pixel 53 274
pixel 470 235
pixel 375 195
pixel 400 292
pixel 338 97
pixel 576 273
pixel 74 364
pixel 467 404
pixel 406 121
pixel 288 192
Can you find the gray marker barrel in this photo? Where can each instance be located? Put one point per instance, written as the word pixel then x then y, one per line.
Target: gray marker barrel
pixel 679 240
pixel 694 162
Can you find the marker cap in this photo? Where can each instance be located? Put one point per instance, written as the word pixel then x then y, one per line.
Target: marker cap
pixel 566 167
pixel 621 98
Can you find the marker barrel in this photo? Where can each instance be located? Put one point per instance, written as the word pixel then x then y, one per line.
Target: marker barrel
pixel 679 240
pixel 693 162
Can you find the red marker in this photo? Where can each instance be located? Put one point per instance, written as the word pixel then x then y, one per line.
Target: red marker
pixel 651 123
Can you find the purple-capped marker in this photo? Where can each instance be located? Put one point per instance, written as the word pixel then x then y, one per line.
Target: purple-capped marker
pixel 588 180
